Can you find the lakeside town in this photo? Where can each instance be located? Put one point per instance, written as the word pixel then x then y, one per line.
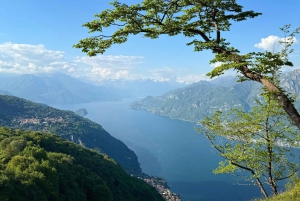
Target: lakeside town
pixel 162 187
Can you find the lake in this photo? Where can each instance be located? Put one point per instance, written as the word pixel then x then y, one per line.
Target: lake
pixel 169 148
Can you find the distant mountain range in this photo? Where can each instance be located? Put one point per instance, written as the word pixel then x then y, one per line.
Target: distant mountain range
pixel 22 114
pixel 4 93
pixel 193 102
pixel 139 88
pixel 56 89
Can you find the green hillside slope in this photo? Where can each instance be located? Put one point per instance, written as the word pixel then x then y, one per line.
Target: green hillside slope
pixel 19 113
pixel 193 102
pixel 43 167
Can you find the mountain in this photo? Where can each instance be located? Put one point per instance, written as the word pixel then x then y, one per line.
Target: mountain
pixel 139 88
pixel 225 81
pixel 5 93
pixel 6 77
pixel 38 166
pixel 56 88
pixel 291 81
pixel 22 114
pixel 193 102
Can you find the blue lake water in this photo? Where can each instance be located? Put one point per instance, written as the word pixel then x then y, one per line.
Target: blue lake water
pixel 169 148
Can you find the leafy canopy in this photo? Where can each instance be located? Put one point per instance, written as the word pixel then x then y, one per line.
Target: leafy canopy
pixel 152 18
pixel 201 20
pixel 259 142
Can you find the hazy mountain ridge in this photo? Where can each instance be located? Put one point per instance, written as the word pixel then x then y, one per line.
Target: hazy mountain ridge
pixel 56 89
pixel 201 99
pixel 5 93
pixel 140 87
pixel 291 82
pixel 19 113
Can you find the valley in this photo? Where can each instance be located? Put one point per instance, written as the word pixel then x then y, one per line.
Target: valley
pixel 168 148
pixel 153 145
pixel 142 100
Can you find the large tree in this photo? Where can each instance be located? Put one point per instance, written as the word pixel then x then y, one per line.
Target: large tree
pixel 258 143
pixel 202 20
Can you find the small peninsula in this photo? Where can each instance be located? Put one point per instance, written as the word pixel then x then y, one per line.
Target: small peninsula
pixel 81 112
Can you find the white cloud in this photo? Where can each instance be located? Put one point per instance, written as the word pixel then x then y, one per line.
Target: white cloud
pixel 217 64
pixel 107 67
pixel 110 61
pixel 25 58
pixel 176 75
pixel 271 43
pixel 189 79
pixel 31 59
pixel 163 73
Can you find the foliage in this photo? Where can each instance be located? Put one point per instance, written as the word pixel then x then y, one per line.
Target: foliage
pixel 259 143
pixel 19 113
pixel 171 17
pixel 39 166
pixel 199 20
pixel 192 19
pixel 264 63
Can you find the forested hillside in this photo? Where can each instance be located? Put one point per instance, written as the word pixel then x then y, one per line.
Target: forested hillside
pixel 193 102
pixel 201 99
pixel 38 166
pixel 19 113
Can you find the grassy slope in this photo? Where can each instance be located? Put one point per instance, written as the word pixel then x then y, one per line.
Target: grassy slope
pixel 290 195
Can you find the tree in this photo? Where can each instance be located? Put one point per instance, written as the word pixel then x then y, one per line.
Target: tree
pixel 197 19
pixel 258 142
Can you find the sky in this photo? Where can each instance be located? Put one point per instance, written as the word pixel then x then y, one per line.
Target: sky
pixel 37 37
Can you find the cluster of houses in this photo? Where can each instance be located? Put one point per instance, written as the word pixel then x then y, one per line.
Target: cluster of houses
pixel 162 187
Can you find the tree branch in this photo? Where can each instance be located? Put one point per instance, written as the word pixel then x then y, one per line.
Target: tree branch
pixel 199 33
pixel 283 178
pixel 257 179
pixel 282 98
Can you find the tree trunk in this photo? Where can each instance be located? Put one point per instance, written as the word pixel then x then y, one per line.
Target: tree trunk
pixel 271 181
pixel 282 98
pixel 262 189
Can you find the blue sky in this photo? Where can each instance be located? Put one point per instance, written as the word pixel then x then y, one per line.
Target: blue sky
pixel 37 36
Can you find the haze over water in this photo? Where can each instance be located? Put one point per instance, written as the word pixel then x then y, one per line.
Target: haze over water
pixel 168 148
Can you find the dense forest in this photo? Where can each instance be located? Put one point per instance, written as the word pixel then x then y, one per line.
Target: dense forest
pixel 37 166
pixel 22 114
